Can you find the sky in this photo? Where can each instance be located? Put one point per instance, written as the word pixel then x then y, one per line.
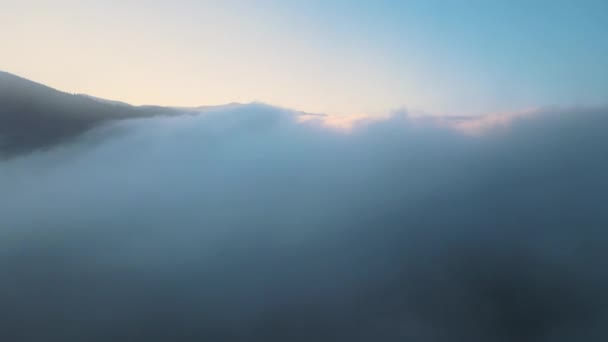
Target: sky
pixel 336 57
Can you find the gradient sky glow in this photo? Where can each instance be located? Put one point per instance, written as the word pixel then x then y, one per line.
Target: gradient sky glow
pixel 338 57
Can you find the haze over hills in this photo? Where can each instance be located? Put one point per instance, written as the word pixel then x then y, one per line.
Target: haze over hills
pixel 34 116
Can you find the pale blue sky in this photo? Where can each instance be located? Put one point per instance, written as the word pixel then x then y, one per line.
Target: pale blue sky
pixel 340 57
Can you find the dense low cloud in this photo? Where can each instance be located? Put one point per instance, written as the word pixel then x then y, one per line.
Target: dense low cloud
pixel 251 223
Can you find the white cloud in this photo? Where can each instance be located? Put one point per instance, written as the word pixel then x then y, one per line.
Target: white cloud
pixel 256 223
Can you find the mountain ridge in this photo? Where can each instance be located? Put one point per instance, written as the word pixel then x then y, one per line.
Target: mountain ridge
pixel 34 116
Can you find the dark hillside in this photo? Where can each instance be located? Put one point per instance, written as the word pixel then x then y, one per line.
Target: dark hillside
pixel 34 116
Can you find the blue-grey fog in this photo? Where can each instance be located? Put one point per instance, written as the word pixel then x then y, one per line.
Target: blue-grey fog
pixel 249 223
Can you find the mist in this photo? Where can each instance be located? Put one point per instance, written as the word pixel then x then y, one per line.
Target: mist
pixel 248 223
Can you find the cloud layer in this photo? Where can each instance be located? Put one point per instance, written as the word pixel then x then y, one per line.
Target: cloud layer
pixel 250 223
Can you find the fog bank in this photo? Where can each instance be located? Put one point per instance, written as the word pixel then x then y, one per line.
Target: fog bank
pixel 248 223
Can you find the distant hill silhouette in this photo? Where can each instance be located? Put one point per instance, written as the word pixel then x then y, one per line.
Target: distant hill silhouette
pixel 34 116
